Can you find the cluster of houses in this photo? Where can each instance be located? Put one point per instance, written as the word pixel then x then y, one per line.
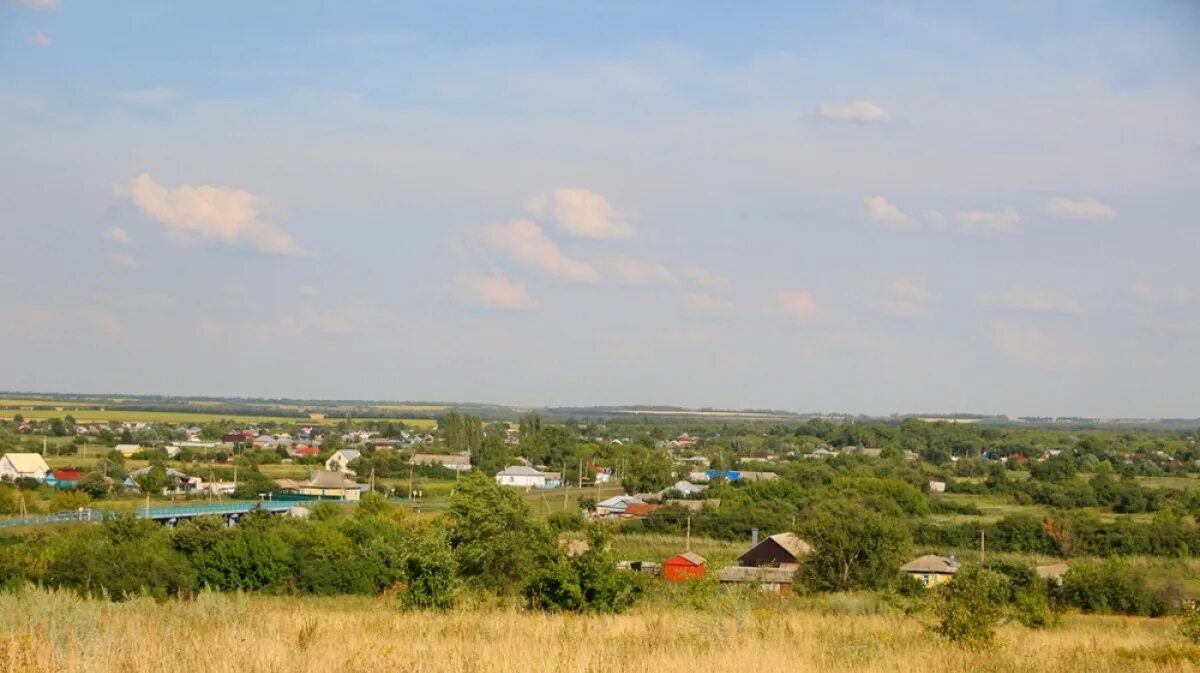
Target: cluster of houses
pixel 773 563
pixel 334 482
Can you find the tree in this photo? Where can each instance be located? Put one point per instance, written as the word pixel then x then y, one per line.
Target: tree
pixel 971 605
pixel 495 536
pixel 650 470
pixel 855 547
pixel 95 484
pixel 153 480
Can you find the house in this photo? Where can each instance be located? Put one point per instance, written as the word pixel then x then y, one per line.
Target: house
pixel 639 510
pixel 23 466
pixel 64 478
pixel 685 566
pixel 341 459
pixel 782 550
pixel 685 488
pixel 617 504
pixel 521 476
pixel 937 487
pixel 177 482
pixel 457 462
pixel 305 451
pixel 331 484
pixel 931 570
pixel 553 479
pixel 770 580
pixel 265 442
pixel 737 475
pixel 128 450
pixel 695 505
pixel 237 437
pixel 1053 572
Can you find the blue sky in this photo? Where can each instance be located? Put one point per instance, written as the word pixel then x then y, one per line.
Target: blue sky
pixel 874 207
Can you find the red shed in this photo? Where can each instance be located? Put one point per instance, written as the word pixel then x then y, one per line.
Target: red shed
pixel 684 566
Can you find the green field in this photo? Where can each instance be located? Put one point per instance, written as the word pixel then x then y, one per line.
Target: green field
pixel 132 416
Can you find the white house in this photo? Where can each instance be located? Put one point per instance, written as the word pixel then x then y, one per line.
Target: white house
pixel 522 476
pixel 617 504
pixel 23 466
pixel 340 461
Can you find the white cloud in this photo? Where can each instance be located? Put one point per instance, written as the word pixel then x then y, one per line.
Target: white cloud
pixel 706 278
pixel 525 242
pixel 1083 209
pixel 38 4
pixel 933 217
pixel 582 213
pixel 859 111
pixel 220 214
pixel 1031 299
pixel 632 271
pixel 117 234
pixel 799 304
pixel 703 302
pixel 307 291
pixel 904 299
pixel 40 40
pixel 894 218
pixel 497 291
pixel 122 260
pixel 1030 346
pixel 906 289
pixel 1003 221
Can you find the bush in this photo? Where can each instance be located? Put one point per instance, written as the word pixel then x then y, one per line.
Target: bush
pixel 971 605
pixel 431 576
pixel 1111 587
pixel 1189 623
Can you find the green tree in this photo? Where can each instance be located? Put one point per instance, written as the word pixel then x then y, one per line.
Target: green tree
pixel 971 605
pixel 496 538
pixel 855 547
pixel 650 470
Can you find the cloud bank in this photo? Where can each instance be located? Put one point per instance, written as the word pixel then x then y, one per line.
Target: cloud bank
pixel 221 214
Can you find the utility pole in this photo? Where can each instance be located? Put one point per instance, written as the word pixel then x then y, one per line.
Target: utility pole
pixel 687 545
pixel 564 484
pixel 982 545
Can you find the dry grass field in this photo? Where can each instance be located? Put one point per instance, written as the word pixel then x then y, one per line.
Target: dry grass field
pixel 43 631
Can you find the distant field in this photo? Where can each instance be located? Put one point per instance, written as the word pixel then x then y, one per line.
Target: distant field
pixel 1181 483
pixel 131 416
pixel 431 408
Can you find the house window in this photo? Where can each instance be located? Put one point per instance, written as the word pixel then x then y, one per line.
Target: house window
pixel 925 578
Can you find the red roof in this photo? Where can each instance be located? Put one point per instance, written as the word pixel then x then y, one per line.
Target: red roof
pixel 68 475
pixel 307 451
pixel 639 509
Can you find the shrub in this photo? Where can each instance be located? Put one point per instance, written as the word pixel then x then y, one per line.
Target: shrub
pixel 971 605
pixel 1112 587
pixel 1189 623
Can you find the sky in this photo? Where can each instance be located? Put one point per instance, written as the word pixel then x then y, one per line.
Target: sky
pixel 863 208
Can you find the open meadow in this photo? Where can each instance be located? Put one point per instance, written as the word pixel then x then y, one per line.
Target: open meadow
pixel 43 631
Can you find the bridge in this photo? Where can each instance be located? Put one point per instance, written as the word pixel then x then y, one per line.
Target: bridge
pixel 231 511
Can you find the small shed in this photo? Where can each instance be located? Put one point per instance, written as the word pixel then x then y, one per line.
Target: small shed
pixel 683 567
pixel 783 550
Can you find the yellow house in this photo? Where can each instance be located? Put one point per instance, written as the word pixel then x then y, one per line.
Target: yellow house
pixel 330 485
pixel 931 570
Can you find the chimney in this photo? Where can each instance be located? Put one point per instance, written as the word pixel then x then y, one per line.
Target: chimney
pixel 753 537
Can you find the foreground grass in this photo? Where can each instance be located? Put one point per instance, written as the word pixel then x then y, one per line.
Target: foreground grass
pixel 42 631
